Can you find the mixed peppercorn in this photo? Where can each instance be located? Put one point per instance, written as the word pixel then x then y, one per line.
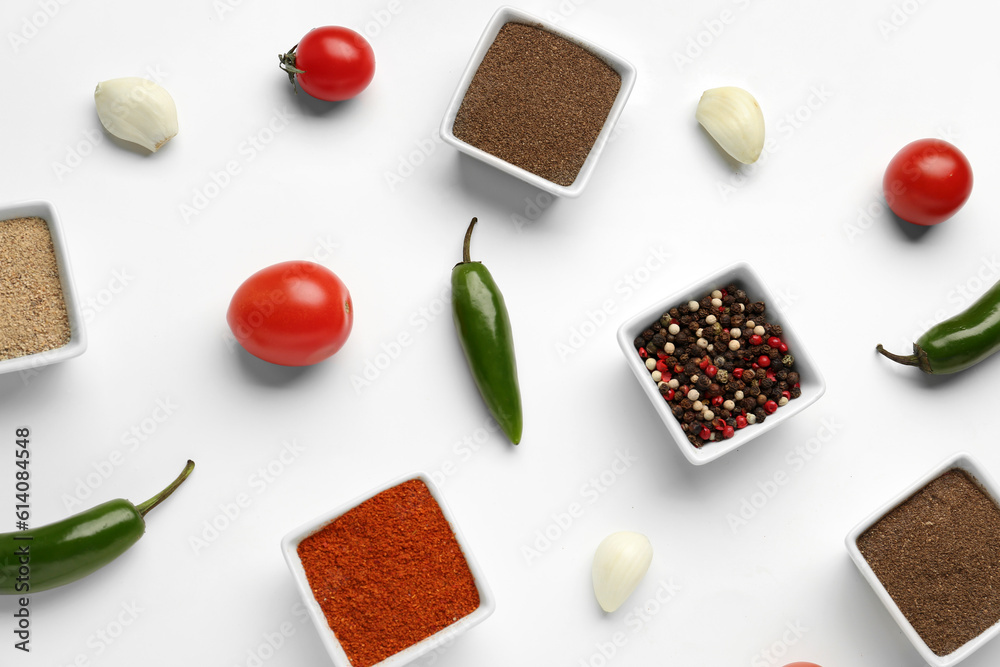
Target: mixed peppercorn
pixel 720 364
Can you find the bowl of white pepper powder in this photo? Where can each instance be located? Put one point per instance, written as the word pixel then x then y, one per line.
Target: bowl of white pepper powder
pixel 41 320
pixel 538 102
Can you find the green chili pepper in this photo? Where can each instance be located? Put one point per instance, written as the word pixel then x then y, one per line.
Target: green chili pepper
pixel 959 342
pixel 60 553
pixel 484 330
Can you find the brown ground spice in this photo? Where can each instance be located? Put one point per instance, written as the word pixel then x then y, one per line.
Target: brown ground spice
pixel 537 101
pixel 389 573
pixel 33 316
pixel 938 556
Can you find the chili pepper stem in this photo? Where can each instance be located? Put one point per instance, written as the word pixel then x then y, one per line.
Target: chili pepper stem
pixel 918 358
pixel 143 508
pixel 468 241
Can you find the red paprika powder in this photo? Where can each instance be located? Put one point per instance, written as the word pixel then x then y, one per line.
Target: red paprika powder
pixel 388 573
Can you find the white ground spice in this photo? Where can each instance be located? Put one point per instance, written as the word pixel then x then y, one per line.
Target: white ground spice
pixel 33 316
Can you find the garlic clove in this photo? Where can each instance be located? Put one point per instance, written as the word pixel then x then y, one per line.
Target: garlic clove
pixel 620 563
pixel 734 119
pixel 137 110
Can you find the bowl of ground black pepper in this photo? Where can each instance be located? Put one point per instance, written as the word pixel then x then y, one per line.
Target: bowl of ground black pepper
pixel 41 320
pixel 932 556
pixel 538 102
pixel 720 363
pixel 387 577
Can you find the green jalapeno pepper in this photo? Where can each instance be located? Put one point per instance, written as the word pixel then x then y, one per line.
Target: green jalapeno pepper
pixel 484 331
pixel 959 342
pixel 60 553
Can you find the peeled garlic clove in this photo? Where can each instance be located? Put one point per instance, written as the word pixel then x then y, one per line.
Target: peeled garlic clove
pixel 734 119
pixel 137 110
pixel 620 563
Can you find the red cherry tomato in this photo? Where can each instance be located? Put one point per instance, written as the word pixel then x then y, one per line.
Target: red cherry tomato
pixel 927 182
pixel 293 313
pixel 331 63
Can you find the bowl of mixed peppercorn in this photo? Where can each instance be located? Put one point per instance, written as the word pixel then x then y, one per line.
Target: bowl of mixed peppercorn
pixel 719 363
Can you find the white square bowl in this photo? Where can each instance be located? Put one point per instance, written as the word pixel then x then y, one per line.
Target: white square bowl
pixel 289 546
pixel 78 335
pixel 962 461
pixel 506 15
pixel 742 275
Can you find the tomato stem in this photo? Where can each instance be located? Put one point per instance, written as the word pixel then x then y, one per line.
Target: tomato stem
pixel 286 61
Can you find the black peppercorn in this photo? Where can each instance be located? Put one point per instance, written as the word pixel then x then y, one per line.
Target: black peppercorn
pixel 795 392
pixel 757 308
pixel 647 334
pixel 704 382
pixel 760 415
pixel 793 378
pixel 639 342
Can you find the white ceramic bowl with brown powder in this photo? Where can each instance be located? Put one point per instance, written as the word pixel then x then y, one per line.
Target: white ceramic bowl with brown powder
pixel 932 556
pixel 538 102
pixel 40 317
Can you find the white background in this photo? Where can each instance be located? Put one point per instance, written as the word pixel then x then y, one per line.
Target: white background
pixel 843 86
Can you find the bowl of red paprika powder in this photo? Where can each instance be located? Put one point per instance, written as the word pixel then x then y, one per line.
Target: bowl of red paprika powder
pixel 386 577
